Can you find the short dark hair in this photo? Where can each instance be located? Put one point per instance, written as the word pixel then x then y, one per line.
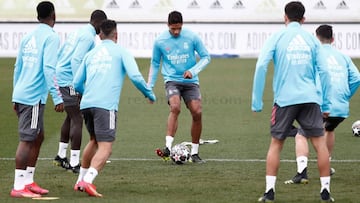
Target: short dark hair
pixel 175 17
pixel 325 32
pixel 45 9
pixel 295 11
pixel 98 15
pixel 107 27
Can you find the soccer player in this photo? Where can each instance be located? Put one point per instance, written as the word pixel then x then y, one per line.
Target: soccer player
pixel 345 80
pixel 296 66
pixel 99 80
pixel 176 49
pixel 34 75
pixel 71 55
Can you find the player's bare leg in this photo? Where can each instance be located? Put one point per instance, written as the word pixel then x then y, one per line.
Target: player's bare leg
pixel 273 157
pixel 175 109
pixel 196 126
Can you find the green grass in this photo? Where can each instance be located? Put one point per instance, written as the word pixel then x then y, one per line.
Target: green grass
pixel 235 167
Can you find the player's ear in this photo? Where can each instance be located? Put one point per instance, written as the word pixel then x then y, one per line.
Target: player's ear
pixel 286 19
pixel 302 20
pixel 115 37
pixel 101 35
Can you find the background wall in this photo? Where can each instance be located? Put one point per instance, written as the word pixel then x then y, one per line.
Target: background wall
pixel 228 27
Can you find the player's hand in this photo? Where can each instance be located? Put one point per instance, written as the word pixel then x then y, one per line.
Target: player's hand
pixel 14 107
pixel 59 107
pixel 151 98
pixel 326 114
pixel 187 75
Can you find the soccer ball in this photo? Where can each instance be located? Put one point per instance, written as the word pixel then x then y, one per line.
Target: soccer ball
pixel 356 128
pixel 180 154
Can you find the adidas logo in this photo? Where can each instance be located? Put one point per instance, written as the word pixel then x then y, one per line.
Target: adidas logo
pixel 342 5
pixel 238 4
pixel 332 61
pixel 320 5
pixel 100 56
pixel 112 4
pixel 298 44
pixel 216 5
pixel 90 4
pixel 268 6
pixel 194 4
pixel 135 4
pixel 30 47
pixel 333 64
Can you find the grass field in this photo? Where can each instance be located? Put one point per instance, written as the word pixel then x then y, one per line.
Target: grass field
pixel 235 167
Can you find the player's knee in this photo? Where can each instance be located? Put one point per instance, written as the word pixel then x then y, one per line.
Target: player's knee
pixel 175 109
pixel 196 115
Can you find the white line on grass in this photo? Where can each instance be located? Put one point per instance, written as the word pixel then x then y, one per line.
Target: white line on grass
pixel 217 160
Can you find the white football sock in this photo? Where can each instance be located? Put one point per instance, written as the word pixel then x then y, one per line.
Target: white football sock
pixel 325 183
pixel 194 148
pixel 29 177
pixel 19 180
pixel 168 141
pixel 90 175
pixel 74 157
pixel 62 149
pixel 301 163
pixel 270 183
pixel 82 173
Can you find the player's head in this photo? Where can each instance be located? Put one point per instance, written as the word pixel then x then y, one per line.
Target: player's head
pixel 108 30
pixel 46 12
pixel 325 34
pixel 175 23
pixel 96 19
pixel 294 11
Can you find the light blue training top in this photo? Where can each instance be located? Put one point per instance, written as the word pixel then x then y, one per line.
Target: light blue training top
pixel 72 53
pixel 294 52
pixel 345 80
pixel 101 75
pixel 178 54
pixel 34 72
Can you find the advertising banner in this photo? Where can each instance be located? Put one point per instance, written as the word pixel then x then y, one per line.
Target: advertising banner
pixel 227 40
pixel 193 10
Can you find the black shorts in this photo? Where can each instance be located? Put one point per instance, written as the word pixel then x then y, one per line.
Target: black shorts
pixel 331 123
pixel 308 116
pixel 101 123
pixel 30 121
pixel 188 91
pixel 69 96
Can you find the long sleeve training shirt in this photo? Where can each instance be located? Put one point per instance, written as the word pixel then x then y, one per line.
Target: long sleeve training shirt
pixel 178 54
pixel 102 73
pixel 294 52
pixel 34 72
pixel 72 53
pixel 345 80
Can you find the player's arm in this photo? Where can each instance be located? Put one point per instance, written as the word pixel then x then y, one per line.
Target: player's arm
pixel 17 67
pixel 354 77
pixel 84 45
pixel 80 77
pixel 154 66
pixel 50 59
pixel 136 77
pixel 325 81
pixel 265 56
pixel 204 58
